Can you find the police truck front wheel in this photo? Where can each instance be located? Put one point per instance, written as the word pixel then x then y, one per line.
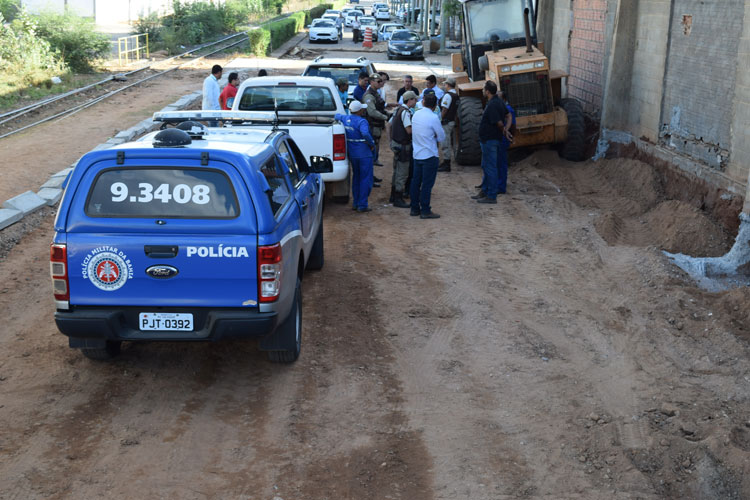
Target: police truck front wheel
pixel 290 332
pixel 110 350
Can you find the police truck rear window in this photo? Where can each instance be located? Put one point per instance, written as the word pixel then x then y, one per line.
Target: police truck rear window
pixel 182 193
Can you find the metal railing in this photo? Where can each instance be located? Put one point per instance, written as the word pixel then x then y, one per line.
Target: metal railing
pixel 133 47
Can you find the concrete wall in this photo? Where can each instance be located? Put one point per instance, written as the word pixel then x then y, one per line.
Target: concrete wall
pixel 562 26
pixel 700 78
pixel 739 158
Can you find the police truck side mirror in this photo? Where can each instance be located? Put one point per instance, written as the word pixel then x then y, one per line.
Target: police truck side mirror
pixel 321 165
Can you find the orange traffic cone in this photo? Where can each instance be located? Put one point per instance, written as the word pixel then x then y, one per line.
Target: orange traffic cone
pixel 368 38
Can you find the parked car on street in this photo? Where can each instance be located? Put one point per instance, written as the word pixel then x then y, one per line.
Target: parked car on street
pixel 405 44
pixel 323 30
pixel 383 14
pixel 369 22
pixel 200 234
pixel 376 6
pixel 350 17
pixel 386 29
pixel 335 68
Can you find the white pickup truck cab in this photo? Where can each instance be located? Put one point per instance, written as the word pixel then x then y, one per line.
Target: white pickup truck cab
pixel 306 106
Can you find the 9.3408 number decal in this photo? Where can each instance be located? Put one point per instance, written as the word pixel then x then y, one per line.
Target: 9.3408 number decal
pixel 181 193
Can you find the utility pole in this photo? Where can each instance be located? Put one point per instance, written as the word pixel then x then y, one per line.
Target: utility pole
pixel 443 26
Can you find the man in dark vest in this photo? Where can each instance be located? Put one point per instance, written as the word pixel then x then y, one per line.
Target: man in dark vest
pixel 376 113
pixel 448 109
pixel 401 147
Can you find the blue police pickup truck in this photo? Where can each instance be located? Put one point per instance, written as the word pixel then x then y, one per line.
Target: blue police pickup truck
pixel 189 234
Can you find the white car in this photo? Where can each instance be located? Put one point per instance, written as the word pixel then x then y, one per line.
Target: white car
pixel 369 22
pixel 335 68
pixel 383 14
pixel 384 33
pixel 376 6
pixel 332 11
pixel 350 17
pixel 324 30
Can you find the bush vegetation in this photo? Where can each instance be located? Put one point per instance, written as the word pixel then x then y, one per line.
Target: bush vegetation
pixel 74 39
pixel 197 22
pixel 25 58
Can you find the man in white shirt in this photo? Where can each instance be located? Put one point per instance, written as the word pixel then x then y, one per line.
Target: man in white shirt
pixel 426 133
pixel 431 86
pixel 211 92
pixel 448 110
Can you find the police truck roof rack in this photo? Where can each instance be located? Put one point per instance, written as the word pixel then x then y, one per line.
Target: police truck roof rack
pixel 318 59
pixel 361 59
pixel 278 117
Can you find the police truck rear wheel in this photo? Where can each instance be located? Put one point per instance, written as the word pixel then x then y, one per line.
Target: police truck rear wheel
pixel 110 350
pixel 290 332
pixel 467 125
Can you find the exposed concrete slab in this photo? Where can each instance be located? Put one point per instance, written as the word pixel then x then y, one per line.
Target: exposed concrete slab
pixel 52 195
pixel 9 216
pixel 26 203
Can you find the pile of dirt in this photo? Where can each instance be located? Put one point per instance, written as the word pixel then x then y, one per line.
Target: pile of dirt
pixel 633 209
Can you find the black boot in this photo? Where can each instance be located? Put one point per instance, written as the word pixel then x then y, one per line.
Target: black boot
pixel 393 195
pixel 445 167
pixel 399 201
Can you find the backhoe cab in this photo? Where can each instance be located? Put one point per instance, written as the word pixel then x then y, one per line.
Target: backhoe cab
pixel 500 44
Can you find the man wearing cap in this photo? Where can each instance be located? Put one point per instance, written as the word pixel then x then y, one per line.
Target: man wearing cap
pixel 376 113
pixel 448 109
pixel 402 148
pixel 426 133
pixel 359 144
pixel 342 84
pixel 362 83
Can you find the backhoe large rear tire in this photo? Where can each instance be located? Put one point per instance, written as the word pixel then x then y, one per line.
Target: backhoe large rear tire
pixel 469 115
pixel 574 148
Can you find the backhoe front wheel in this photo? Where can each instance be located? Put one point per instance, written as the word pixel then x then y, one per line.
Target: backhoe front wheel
pixel 469 115
pixel 574 148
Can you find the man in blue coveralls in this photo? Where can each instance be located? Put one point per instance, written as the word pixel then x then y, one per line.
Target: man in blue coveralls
pixel 360 146
pixel 502 183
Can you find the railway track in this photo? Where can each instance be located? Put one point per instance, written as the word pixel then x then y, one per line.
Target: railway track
pixel 69 103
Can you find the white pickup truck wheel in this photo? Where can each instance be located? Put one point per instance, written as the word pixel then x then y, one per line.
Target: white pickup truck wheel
pixel 340 190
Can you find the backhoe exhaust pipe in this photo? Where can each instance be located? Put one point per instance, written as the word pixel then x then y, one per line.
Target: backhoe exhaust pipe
pixel 527 29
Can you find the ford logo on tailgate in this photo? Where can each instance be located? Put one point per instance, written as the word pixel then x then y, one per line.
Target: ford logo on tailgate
pixel 162 272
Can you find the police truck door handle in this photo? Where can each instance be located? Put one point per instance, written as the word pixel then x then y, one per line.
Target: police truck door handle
pixel 161 251
pixel 304 205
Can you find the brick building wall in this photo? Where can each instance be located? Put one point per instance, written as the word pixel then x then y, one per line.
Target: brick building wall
pixel 587 49
pixel 700 78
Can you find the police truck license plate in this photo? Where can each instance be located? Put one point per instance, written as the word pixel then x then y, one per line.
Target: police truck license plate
pixel 166 321
pixel 406 52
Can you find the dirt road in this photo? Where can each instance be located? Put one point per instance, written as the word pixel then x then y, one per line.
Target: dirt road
pixel 541 348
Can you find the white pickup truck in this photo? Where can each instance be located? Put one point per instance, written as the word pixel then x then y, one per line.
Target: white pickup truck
pixel 306 106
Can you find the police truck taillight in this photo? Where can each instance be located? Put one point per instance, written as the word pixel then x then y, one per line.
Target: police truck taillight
pixel 58 266
pixel 269 272
pixel 339 147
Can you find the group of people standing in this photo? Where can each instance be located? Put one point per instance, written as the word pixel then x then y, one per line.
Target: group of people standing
pixel 420 130
pixel 214 97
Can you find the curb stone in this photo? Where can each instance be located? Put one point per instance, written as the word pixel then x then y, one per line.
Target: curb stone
pixel 9 216
pixel 26 202
pixel 50 193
